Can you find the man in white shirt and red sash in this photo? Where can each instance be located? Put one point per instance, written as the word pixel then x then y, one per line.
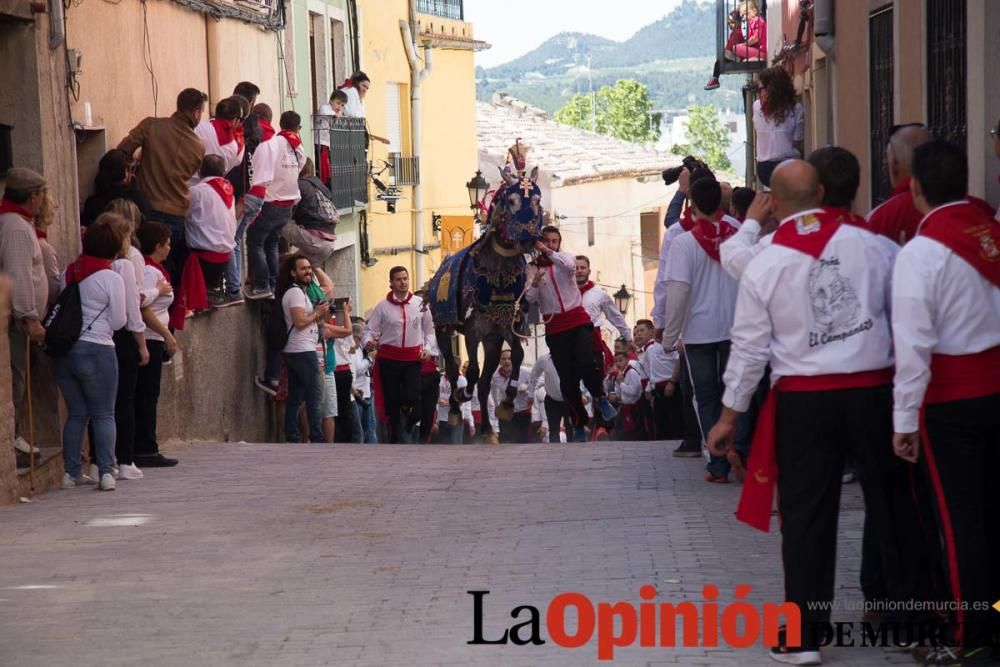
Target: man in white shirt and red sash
pixel 601 309
pixel 219 135
pixel 569 331
pixel 699 303
pixel 398 329
pixel 815 304
pixel 946 326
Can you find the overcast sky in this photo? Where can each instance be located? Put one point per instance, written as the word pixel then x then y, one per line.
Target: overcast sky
pixel 515 27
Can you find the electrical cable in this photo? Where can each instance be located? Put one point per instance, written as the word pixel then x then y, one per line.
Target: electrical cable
pixel 147 54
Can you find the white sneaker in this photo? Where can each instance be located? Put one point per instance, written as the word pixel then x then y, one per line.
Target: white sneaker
pixel 70 483
pixel 107 482
pixel 21 445
pixel 129 471
pixel 96 473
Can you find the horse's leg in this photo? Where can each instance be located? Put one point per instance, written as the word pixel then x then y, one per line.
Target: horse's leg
pixel 491 360
pixel 472 371
pixel 443 336
pixel 516 359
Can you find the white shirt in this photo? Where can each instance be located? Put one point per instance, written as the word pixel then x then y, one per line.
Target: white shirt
pixel 102 302
pixel 545 370
pixel 385 326
pixel 342 349
pixel 276 166
pixel 324 121
pixel 737 251
pixel 361 367
pixel 231 153
pixel 133 318
pixel 209 223
pixel 659 365
pixel 777 141
pixel 160 305
pixel 499 384
pixel 599 306
pixel 354 108
pixel 299 340
pixel 713 292
pixel 940 305
pixel 146 296
pixel 444 388
pixel 811 317
pixel 628 386
pixel 557 291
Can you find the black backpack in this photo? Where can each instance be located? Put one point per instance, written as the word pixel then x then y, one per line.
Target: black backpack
pixel 276 330
pixel 64 322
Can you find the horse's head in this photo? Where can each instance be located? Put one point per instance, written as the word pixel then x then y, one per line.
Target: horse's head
pixel 516 212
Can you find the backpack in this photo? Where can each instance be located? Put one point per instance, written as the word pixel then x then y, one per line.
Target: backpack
pixel 64 322
pixel 276 329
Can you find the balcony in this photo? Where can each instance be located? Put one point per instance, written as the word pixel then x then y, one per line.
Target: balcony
pixel 449 9
pixel 347 140
pixel 733 32
pixel 405 169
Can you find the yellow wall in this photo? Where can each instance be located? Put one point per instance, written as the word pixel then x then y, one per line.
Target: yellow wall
pixel 448 153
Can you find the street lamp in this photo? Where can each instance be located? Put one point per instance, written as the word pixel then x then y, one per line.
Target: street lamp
pixel 477 187
pixel 622 298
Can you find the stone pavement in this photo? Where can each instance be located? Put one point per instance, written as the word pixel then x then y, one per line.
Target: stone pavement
pixel 354 554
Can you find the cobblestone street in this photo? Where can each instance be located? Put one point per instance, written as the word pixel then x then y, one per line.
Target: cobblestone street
pixel 320 554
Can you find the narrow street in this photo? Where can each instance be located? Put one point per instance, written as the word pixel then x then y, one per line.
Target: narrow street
pixel 342 555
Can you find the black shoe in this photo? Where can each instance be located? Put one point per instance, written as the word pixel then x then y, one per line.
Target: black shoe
pixel 688 449
pixel 156 461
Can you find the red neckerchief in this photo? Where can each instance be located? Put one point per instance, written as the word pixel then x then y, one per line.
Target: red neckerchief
pixel 291 138
pixel 240 135
pixel 710 237
pixel 223 188
pixel 846 217
pixel 687 220
pixel 267 130
pixel 901 187
pixel 7 206
pixel 84 267
pixel 967 231
pixel 152 262
pixel 41 233
pixel 808 234
pixel 586 286
pixel 504 374
pixel 391 298
pixel 347 84
pixel 223 131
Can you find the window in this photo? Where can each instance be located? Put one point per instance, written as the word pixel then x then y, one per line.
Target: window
pixel 449 9
pixel 649 232
pixel 880 68
pixel 946 70
pixel 590 231
pixel 394 120
pixel 337 52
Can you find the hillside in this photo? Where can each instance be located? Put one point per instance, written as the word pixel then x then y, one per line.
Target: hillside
pixel 672 56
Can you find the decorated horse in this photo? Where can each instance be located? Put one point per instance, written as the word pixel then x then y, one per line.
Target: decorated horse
pixel 477 292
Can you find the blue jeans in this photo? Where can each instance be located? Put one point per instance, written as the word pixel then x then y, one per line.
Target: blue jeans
pixel 263 237
pixel 364 414
pixel 88 378
pixel 707 363
pixel 234 268
pixel 305 383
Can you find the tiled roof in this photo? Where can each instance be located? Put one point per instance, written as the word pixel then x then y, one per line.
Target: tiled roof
pixel 569 154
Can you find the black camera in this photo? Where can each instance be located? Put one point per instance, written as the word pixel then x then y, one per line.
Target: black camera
pixel 671 175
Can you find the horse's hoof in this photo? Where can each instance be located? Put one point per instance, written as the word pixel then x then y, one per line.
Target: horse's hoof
pixel 454 418
pixel 505 411
pixel 490 439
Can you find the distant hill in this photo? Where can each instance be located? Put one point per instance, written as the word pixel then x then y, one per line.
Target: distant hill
pixel 672 56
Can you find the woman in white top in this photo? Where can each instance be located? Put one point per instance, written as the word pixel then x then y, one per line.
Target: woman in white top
pixel 778 122
pixel 88 374
pixel 154 243
pixel 356 88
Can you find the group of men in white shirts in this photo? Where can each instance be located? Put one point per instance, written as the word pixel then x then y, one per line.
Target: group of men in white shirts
pixel 884 355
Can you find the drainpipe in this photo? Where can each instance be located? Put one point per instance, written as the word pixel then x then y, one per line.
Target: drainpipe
pixel 824 28
pixel 417 77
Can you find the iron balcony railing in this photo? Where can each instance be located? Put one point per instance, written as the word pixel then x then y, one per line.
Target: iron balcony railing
pixel 732 31
pixel 449 9
pixel 342 152
pixel 405 170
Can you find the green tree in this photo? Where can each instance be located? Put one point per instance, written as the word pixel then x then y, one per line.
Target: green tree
pixel 623 110
pixel 708 136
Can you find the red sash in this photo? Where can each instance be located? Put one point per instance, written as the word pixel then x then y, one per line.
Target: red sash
pixel 962 376
pixel 239 135
pixel 710 237
pixel 223 131
pixel 808 234
pixel 191 293
pixel 291 138
pixel 223 188
pixel 970 233
pixel 570 319
pixel 7 206
pixel 392 353
pixel 687 220
pixel 757 497
pixel 266 130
